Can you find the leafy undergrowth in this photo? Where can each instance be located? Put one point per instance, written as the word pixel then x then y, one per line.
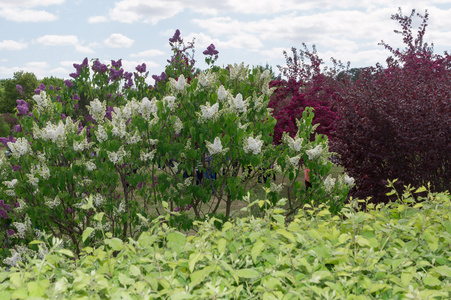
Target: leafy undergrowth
pixel 395 251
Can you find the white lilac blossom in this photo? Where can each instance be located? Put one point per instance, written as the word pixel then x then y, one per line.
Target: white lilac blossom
pixel 130 109
pixel 169 102
pixel 209 112
pixel 315 152
pixel 13 260
pixel 117 157
pixel 238 104
pixel 101 134
pixel 10 184
pixel 152 142
pixel 97 110
pixel 253 145
pixel 97 200
pixel 33 180
pixel 179 84
pixel 42 170
pixel 276 187
pixel 42 101
pixel 10 193
pixel 178 125
pixel 147 107
pixel 22 205
pixel 349 181
pixel 216 147
pixel 145 156
pixel 238 72
pixel 90 166
pixel 20 147
pixel 208 79
pixel 293 161
pixel 222 93
pixel 154 121
pixel 329 183
pixel 133 139
pixel 81 146
pixel 294 144
pixel 52 203
pixel 119 127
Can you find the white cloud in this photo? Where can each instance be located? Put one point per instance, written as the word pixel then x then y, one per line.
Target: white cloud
pixel 12 45
pixel 97 19
pixel 64 40
pixel 26 15
pixel 130 11
pixel 148 53
pixel 117 40
pixel 30 3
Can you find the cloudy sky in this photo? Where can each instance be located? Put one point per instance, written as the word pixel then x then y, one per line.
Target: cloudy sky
pixel 47 36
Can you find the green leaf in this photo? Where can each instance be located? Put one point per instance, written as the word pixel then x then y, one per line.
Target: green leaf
pixel 421 189
pixel 194 258
pixel 37 288
pixel 287 234
pixel 443 270
pixel 431 281
pixel 134 270
pixel 257 249
pixel 222 243
pixel 176 241
pixel 115 244
pixel 36 242
pixel 125 280
pixel 86 233
pixel 199 276
pixel 66 252
pixel 247 273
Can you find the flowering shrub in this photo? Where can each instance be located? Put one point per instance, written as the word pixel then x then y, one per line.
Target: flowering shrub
pixel 184 147
pixel 306 86
pixel 396 121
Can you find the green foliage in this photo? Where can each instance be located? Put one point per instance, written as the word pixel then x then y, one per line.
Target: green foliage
pixel 394 251
pixel 26 80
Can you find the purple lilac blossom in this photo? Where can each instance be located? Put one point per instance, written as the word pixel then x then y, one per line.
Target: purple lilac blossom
pixel 18 128
pixel 99 67
pixel 63 116
pixel 3 213
pixel 176 37
pixel 37 91
pixel 115 74
pixel 58 88
pixel 139 185
pixel 19 88
pixel 16 168
pixel 211 50
pixel 109 110
pixel 7 140
pixel 116 64
pixel 141 68
pixel 42 87
pixel 11 232
pixel 76 97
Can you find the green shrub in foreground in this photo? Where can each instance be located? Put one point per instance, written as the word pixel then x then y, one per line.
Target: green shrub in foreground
pixel 395 251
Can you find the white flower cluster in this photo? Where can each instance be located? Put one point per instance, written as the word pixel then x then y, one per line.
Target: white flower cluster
pixel 208 79
pixel 145 156
pixel 315 152
pixel 22 205
pixel 32 180
pixel 42 102
pixel 293 161
pixel 52 203
pixel 20 147
pixel 209 112
pixel 169 102
pixel 101 134
pixel 10 193
pixel 178 125
pixel 90 166
pixel 238 104
pixel 97 200
pixel 178 85
pixel 223 94
pixel 294 144
pixel 347 180
pixel 119 127
pixel 81 146
pixel 130 109
pixel 329 183
pixel 253 145
pixel 133 139
pixel 276 187
pixel 21 228
pixel 238 72
pixel 147 108
pixel 97 110
pixel 117 157
pixel 13 260
pixel 10 184
pixel 216 147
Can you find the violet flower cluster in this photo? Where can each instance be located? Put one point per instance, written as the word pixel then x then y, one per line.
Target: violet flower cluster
pixel 79 67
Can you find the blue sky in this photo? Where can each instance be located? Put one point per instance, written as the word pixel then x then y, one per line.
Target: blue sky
pixel 47 36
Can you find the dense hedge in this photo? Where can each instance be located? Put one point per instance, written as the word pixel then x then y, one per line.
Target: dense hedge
pixel 392 251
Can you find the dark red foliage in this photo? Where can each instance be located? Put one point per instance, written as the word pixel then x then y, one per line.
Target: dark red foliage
pixel 396 121
pixel 307 86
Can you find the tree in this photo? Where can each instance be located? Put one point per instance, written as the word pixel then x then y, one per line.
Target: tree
pixel 12 92
pixel 395 122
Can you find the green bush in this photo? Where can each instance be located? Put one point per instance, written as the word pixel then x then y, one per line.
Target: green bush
pixel 391 251
pixel 5 130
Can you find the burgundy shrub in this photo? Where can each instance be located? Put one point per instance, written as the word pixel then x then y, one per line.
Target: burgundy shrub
pixel 395 123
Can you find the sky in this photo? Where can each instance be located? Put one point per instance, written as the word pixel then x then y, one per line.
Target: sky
pixel 47 37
